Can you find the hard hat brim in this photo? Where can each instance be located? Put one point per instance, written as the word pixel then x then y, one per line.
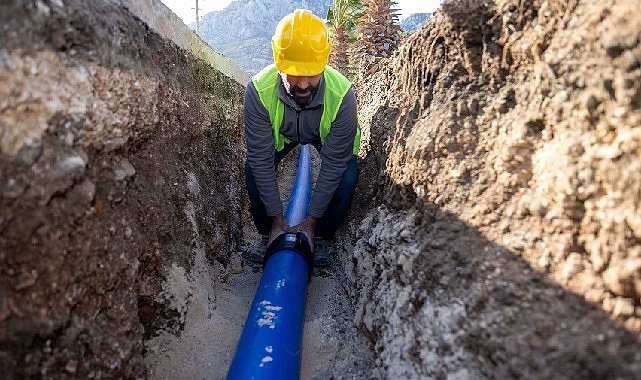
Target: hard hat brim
pixel 300 69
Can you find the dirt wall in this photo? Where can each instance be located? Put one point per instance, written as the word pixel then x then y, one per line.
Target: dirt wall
pixel 113 141
pixel 505 141
pixel 160 18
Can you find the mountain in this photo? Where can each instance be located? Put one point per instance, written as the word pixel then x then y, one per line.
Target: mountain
pixel 243 30
pixel 414 21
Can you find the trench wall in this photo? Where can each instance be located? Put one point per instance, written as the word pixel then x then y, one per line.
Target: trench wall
pixel 113 144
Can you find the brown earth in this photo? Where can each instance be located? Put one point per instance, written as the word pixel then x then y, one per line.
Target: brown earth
pixel 496 230
pixel 505 149
pixel 113 145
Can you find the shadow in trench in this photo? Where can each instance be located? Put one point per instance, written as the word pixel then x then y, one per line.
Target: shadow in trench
pixel 436 296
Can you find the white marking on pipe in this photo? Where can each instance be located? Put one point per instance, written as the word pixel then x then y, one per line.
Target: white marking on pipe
pixel 268 315
pixel 266 359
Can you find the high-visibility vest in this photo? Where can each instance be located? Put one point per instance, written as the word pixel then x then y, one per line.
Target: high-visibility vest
pixel 336 86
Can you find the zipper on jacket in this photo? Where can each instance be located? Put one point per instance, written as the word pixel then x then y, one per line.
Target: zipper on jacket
pixel 298 125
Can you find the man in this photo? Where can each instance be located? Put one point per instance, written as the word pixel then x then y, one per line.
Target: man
pixel 301 100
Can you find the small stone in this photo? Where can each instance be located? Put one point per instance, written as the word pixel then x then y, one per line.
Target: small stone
pixel 124 170
pixel 87 190
pixel 623 307
pixel 71 366
pixel 461 374
pixel 235 264
pixel 26 280
pixel 114 144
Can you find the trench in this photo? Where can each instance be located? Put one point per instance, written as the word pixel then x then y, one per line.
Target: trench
pixel 220 299
pixel 494 232
pixel 124 212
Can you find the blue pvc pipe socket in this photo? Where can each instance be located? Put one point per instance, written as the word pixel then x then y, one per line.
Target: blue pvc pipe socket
pixel 271 343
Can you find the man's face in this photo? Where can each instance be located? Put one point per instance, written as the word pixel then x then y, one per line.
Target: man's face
pixel 302 89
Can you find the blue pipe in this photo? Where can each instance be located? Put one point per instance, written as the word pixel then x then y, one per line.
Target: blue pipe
pixel 302 191
pixel 271 343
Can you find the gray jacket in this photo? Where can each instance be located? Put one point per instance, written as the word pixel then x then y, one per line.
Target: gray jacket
pixel 299 125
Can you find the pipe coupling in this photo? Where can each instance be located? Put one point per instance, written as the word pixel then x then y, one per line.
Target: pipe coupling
pixel 291 241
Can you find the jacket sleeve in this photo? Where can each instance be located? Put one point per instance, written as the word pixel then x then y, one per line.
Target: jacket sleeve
pixel 260 150
pixel 335 154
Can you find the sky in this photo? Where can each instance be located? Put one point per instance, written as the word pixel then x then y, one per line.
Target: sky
pixel 185 9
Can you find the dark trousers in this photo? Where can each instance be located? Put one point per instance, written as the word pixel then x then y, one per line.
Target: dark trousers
pixel 327 225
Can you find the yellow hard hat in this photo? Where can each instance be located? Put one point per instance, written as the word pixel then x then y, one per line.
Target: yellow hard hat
pixel 301 44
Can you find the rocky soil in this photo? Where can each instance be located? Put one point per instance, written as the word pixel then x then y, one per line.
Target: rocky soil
pixel 505 150
pixel 113 143
pixel 495 233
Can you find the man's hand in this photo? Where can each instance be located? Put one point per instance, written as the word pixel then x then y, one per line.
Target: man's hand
pixel 279 227
pixel 307 227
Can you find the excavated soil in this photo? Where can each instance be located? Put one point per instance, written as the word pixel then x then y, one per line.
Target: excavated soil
pixel 113 144
pixel 503 186
pixel 495 232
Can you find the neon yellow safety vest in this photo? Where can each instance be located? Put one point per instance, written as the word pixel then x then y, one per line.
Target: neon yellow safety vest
pixel 336 86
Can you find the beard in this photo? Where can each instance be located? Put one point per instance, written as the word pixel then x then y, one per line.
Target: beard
pixel 303 97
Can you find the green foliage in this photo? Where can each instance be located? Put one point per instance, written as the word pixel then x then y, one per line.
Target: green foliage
pixel 343 15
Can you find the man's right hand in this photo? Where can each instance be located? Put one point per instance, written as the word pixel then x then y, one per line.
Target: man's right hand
pixel 279 227
pixel 307 227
